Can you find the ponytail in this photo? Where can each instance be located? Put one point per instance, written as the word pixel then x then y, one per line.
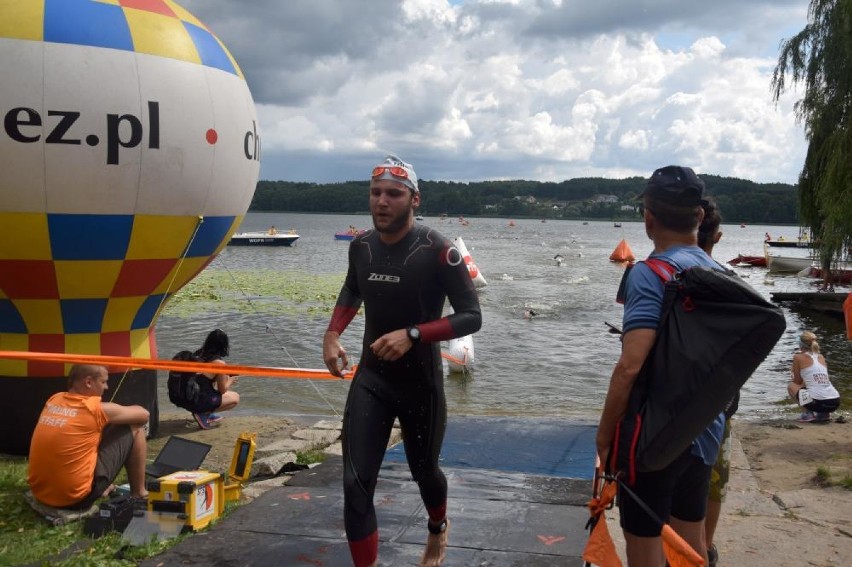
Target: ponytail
pixel 808 340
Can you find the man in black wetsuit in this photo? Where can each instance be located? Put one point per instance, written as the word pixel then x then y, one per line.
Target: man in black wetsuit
pixel 402 272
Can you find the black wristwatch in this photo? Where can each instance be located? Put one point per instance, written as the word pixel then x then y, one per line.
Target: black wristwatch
pixel 413 333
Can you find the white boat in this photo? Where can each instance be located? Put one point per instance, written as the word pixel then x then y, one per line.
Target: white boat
pixel 788 264
pixel 264 238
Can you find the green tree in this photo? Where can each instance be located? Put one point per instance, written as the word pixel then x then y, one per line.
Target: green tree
pixel 820 57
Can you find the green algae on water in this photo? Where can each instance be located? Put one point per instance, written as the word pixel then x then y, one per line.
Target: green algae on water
pixel 257 291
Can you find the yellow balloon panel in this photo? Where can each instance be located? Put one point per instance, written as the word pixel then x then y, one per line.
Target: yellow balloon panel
pixel 92 283
pixel 131 152
pixel 22 20
pixel 14 342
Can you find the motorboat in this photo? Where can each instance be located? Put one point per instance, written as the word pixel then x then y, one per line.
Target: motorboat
pixel 789 243
pixel 264 238
pixel 348 234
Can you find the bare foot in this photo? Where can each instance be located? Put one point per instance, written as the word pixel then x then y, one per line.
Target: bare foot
pixel 436 548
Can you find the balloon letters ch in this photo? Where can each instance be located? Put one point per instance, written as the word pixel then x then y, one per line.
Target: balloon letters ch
pixel 129 153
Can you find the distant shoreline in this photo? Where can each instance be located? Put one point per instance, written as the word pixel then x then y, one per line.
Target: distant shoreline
pixel 507 217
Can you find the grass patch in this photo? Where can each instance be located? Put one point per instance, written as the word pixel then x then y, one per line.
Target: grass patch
pixel 310 456
pixel 25 537
pixel 825 478
pixel 822 476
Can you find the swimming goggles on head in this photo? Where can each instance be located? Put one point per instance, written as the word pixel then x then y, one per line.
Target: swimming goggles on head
pixel 400 172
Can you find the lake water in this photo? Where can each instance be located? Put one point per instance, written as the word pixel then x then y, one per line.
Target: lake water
pixel 556 364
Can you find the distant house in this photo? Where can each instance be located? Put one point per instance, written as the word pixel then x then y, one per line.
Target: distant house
pixel 631 208
pixel 528 199
pixel 609 199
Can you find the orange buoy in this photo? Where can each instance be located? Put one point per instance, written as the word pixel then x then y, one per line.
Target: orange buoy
pixel 622 253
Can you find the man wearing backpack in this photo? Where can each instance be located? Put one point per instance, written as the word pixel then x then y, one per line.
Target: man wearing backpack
pixel 678 493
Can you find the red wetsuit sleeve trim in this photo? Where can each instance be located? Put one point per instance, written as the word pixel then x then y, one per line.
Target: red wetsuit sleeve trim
pixel 434 331
pixel 341 317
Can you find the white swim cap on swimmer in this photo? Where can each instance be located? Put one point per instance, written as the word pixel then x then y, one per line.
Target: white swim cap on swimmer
pixel 395 169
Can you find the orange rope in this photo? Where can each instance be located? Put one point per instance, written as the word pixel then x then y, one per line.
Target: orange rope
pixel 178 365
pixel 452 358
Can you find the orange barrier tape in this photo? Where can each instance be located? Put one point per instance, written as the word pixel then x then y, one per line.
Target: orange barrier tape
pixel 179 365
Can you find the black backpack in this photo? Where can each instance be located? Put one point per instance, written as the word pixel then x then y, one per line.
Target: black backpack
pixel 714 331
pixel 183 386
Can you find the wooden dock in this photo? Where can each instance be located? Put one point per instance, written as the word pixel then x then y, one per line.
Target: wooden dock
pixel 825 302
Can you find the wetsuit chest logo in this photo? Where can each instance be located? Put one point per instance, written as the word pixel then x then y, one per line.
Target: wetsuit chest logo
pixel 374 277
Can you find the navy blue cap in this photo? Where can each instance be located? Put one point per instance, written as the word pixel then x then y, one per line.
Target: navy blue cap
pixel 675 185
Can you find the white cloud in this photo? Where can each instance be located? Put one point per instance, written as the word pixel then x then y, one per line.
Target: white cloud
pixel 517 89
pixel 708 47
pixel 438 11
pixel 634 140
pixel 452 129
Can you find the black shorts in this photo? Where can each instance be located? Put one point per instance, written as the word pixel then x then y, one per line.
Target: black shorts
pixel 679 490
pixel 207 403
pixel 823 406
pixel 113 451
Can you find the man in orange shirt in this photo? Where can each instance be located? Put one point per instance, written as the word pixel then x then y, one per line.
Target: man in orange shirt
pixel 80 443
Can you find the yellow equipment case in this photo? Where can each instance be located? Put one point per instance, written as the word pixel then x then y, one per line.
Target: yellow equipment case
pixel 198 497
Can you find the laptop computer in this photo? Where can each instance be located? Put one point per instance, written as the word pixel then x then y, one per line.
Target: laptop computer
pixel 178 454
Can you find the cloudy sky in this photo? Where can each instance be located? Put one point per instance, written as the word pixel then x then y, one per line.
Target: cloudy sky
pixel 471 90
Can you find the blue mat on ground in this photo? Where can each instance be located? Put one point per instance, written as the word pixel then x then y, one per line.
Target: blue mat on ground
pixel 539 446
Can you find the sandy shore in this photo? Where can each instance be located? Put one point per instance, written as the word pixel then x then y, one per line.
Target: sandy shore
pixel 777 511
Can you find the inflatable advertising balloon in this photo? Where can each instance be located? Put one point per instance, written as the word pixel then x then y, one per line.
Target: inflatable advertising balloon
pixel 130 154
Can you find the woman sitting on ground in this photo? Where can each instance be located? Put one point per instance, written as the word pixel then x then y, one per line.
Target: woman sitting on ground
pixel 215 393
pixel 810 386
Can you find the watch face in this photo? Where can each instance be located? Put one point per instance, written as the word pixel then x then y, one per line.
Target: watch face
pixel 414 333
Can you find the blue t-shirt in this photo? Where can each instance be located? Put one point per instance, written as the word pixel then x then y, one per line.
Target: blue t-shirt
pixel 643 294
